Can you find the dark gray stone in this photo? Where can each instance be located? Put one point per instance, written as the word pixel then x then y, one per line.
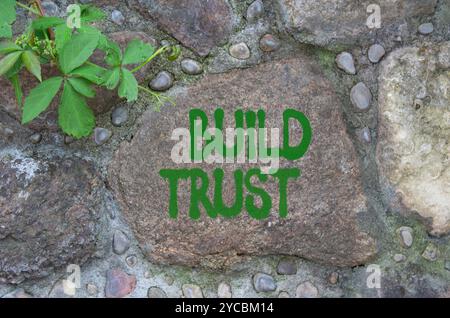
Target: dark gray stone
pixel 162 82
pixel 101 135
pixel 191 67
pixel 121 243
pixel 119 116
pixel 49 214
pixel 287 267
pixel 255 11
pixel 264 283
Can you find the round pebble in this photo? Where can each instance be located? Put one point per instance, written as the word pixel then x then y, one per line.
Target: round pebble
pixel 101 135
pixel 430 253
pixel 346 63
pixel 426 28
pixel 35 138
pixel 406 236
pixel 131 260
pixel 121 244
pixel 364 135
pixel 240 51
pixel 376 53
pixel 117 17
pixel 162 81
pixel 92 289
pixel 264 283
pixel 287 267
pixel 284 294
pixel 224 291
pixel 191 67
pixel 307 290
pixel 119 116
pixel 269 43
pixel 399 258
pixel 361 96
pixel 50 8
pixel 192 291
pixel 333 278
pixel 156 292
pixel 255 10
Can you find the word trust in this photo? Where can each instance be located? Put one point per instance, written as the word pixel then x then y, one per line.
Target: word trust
pixel 247 142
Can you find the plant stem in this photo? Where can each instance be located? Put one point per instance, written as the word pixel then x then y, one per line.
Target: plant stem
pixel 159 98
pixel 28 8
pixel 159 51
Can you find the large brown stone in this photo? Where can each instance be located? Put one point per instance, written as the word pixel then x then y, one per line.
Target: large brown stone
pixel 323 203
pixel 49 209
pixel 413 149
pixel 199 25
pixel 344 22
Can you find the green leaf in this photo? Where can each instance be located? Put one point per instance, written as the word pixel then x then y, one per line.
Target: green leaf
pixel 43 23
pixel 112 78
pixel 5 30
pixel 82 86
pixel 39 98
pixel 7 11
pixel 113 54
pixel 91 72
pixel 17 89
pixel 8 62
pixel 137 52
pixel 90 13
pixel 62 35
pixel 77 51
pixel 74 115
pixel 128 86
pixel 32 63
pixel 15 69
pixel 8 47
pixel 175 52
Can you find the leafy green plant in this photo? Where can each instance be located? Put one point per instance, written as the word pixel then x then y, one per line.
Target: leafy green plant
pixel 50 40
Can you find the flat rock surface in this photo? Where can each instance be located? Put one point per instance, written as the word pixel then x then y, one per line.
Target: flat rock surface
pixel 323 204
pixel 344 22
pixel 199 25
pixel 413 149
pixel 49 212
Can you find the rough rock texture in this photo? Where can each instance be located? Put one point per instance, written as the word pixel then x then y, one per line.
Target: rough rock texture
pixel 413 150
pixel 199 25
pixel 104 100
pixel 343 22
pixel 49 212
pixel 323 203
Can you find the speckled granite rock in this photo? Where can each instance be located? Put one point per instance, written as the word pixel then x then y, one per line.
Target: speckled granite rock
pixel 323 204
